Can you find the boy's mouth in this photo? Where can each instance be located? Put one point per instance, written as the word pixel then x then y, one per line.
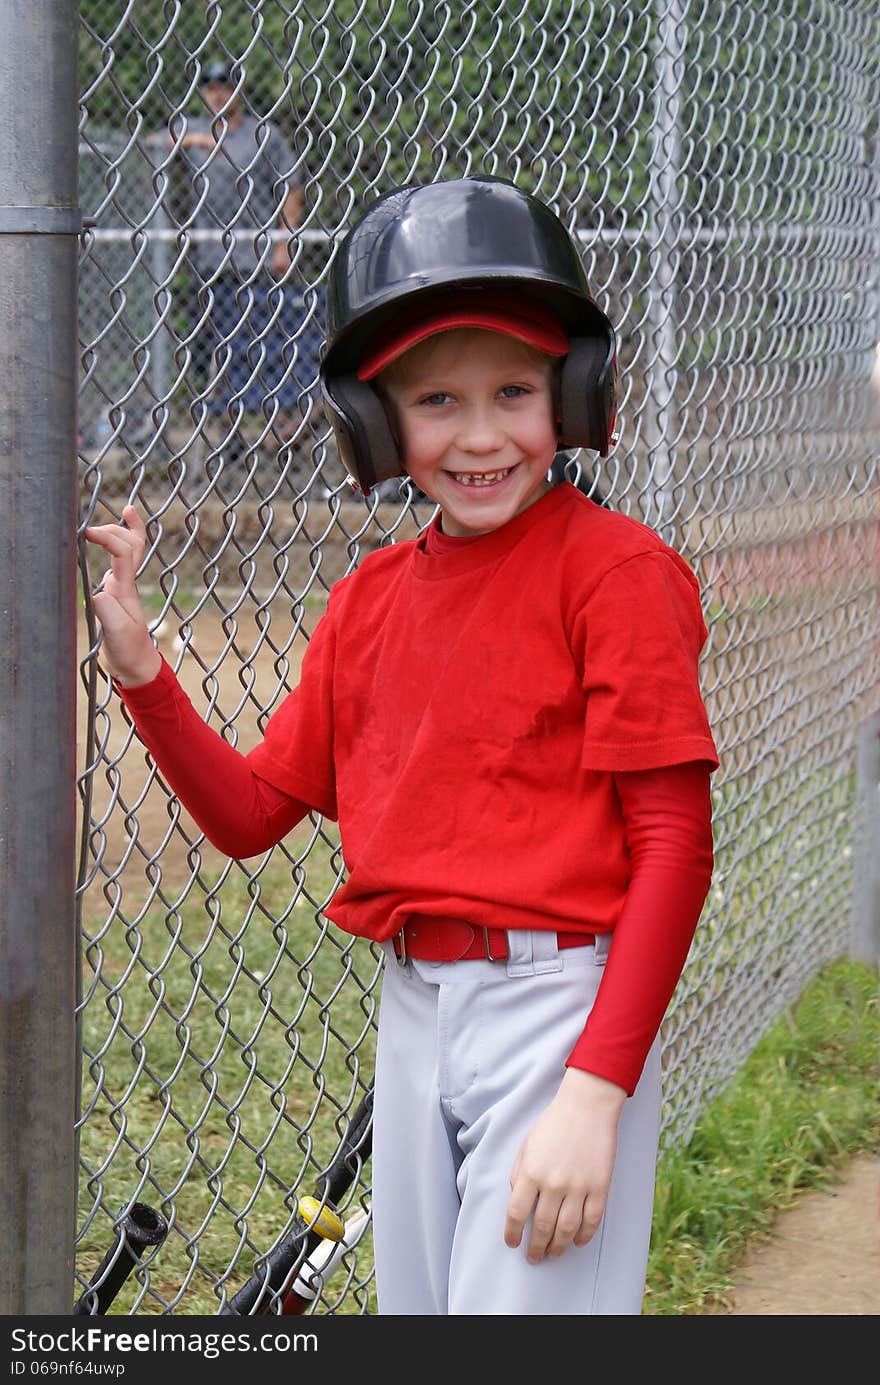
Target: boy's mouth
pixel 480 478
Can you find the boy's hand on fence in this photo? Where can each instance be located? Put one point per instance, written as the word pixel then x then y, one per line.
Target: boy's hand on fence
pixel 563 1170
pixel 129 653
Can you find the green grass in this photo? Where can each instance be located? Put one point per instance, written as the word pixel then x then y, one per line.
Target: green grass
pixel 806 1101
pixel 227 1038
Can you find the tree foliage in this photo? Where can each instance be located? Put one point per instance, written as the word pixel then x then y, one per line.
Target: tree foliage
pixel 374 93
pixel 560 94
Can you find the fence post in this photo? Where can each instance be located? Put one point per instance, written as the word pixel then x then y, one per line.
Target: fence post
pixel 664 234
pixel 865 938
pixel 39 223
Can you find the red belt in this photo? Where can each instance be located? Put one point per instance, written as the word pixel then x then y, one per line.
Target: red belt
pixel 455 940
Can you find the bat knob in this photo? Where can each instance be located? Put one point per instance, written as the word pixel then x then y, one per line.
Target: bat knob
pixel 321 1218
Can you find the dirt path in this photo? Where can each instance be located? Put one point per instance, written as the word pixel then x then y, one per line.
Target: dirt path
pixel 823 1258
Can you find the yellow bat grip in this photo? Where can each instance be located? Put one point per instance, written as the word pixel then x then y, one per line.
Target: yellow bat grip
pixel 321 1218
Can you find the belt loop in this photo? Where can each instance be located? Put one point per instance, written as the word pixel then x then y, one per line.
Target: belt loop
pixel 532 952
pixel 521 952
pixel 546 951
pixel 601 948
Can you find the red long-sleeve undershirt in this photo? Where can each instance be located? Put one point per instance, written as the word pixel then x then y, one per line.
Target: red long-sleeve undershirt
pixel 668 821
pixel 240 813
pixel 667 816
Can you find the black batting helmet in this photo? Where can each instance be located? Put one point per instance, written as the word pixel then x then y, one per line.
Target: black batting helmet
pixel 476 236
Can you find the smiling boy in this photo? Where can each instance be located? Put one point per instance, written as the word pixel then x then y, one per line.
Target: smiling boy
pixel 504 717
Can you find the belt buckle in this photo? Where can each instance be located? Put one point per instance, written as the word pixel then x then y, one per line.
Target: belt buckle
pixel 486 946
pixel 400 956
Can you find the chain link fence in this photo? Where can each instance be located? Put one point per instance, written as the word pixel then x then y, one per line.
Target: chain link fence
pixel 719 164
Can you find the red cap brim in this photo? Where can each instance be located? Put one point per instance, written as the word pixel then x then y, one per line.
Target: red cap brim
pixel 512 317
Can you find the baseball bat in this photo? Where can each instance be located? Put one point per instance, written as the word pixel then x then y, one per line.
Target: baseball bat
pixel 141 1228
pixel 317 1220
pixel 315 1272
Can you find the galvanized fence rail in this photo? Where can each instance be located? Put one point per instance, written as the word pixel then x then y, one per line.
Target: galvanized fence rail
pixel 719 163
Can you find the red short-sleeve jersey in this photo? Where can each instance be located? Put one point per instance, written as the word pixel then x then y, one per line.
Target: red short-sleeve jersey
pixel 462 715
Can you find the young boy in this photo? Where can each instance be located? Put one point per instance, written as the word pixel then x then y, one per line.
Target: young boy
pixel 504 717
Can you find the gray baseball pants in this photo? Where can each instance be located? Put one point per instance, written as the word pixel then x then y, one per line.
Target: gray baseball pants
pixel 469 1054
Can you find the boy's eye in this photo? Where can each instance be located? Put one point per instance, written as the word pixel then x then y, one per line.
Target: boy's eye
pixel 513 391
pixel 440 397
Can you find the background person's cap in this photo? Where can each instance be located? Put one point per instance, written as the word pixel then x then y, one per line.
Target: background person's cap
pixel 511 314
pixel 217 71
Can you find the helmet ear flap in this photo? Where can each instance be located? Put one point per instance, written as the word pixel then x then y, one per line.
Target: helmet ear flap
pixel 588 394
pixel 367 446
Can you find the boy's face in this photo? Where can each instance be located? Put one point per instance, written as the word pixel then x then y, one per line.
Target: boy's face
pixel 475 419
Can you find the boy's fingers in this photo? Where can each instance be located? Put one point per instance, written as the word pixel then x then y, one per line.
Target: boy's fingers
pixel 594 1209
pixel 543 1228
pixel 519 1208
pixel 132 517
pixel 106 533
pixel 119 580
pixel 569 1225
pixel 132 532
pixel 116 541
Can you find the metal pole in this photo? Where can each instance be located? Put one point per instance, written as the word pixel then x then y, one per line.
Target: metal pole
pixel 39 222
pixel 865 935
pixel 665 225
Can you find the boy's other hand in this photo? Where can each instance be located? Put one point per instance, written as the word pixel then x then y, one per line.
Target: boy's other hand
pixel 563 1170
pixel 129 653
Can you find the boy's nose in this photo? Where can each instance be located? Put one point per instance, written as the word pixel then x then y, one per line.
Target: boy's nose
pixel 481 432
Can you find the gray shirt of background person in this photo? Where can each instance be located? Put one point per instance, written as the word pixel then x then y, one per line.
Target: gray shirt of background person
pixel 240 185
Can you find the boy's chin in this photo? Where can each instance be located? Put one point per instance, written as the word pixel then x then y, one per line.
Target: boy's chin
pixel 466 519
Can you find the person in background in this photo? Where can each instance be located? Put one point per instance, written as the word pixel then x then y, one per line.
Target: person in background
pixel 255 344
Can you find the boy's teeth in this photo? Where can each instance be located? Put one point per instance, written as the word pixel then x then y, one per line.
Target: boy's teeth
pixel 481 478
